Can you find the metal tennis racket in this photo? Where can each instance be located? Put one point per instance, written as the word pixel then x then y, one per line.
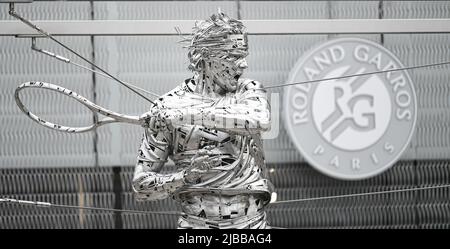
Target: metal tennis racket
pixel 111 117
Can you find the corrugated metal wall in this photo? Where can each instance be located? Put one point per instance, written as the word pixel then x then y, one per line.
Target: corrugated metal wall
pixel 77 169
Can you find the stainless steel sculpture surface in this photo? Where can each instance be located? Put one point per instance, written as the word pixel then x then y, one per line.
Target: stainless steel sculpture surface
pixel 210 126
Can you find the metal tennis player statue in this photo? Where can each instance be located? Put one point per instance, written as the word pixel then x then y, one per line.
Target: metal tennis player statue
pixel 210 126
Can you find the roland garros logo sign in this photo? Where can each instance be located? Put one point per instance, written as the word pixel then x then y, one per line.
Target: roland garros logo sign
pixel 356 127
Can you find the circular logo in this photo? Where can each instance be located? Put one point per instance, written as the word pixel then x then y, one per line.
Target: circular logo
pixel 350 127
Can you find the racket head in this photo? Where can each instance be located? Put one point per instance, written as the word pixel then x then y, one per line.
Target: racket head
pixel 112 117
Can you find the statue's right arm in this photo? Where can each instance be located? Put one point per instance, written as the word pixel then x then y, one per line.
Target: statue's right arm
pixel 148 183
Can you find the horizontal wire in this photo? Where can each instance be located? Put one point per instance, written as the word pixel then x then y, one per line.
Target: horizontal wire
pixel 360 194
pixel 360 74
pixel 48 204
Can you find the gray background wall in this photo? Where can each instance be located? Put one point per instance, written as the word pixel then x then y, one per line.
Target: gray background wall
pixel 86 169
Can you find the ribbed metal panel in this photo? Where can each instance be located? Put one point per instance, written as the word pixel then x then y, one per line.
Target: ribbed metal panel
pixel 414 209
pixel 162 10
pixel 284 9
pixel 94 188
pixel 50 11
pixel 55 180
pixel 416 9
pixel 354 9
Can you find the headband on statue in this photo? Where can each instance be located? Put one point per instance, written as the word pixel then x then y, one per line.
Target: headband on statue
pixel 219 35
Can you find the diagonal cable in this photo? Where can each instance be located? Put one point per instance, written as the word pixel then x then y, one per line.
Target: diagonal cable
pixel 13 13
pixel 360 74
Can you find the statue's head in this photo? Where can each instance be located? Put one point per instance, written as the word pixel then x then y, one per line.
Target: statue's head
pixel 218 48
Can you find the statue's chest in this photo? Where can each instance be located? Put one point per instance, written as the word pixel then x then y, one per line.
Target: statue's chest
pixel 193 137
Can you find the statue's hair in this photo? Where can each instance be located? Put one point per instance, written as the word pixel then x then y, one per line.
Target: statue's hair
pixel 211 37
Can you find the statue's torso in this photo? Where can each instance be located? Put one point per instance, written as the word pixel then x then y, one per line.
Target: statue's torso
pixel 234 187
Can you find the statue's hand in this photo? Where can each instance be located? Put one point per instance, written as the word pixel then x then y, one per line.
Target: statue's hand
pixel 154 119
pixel 170 117
pixel 204 160
pixel 191 177
pixel 201 163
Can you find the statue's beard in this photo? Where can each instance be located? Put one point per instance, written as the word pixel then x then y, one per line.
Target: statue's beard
pixel 227 84
pixel 225 75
